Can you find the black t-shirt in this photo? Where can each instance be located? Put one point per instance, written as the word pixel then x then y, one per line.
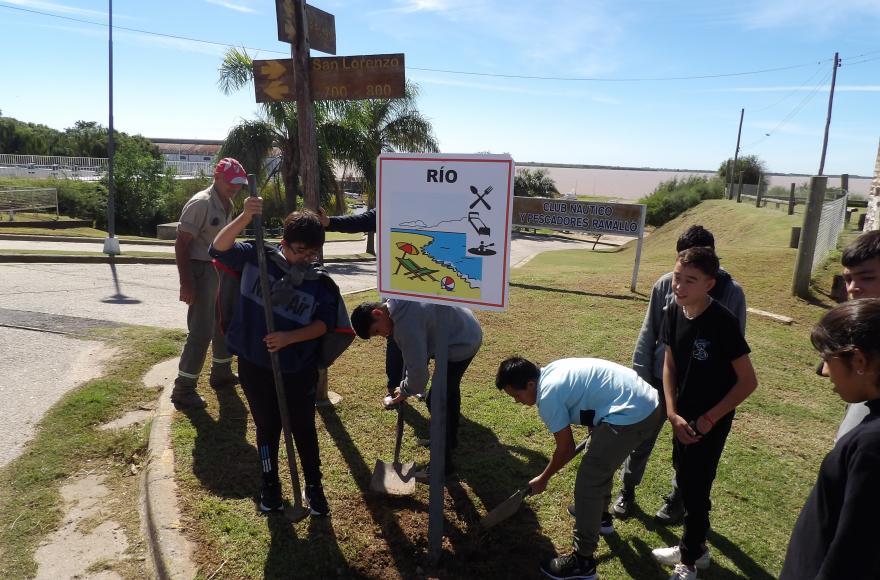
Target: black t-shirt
pixel 703 349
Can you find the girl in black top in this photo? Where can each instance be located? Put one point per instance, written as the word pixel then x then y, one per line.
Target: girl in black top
pixel 836 533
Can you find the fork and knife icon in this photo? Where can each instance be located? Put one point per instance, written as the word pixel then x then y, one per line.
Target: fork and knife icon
pixel 481 196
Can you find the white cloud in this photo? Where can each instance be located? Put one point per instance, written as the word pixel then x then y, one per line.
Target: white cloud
pixel 58 8
pixel 822 14
pixel 173 44
pixel 804 89
pixel 240 6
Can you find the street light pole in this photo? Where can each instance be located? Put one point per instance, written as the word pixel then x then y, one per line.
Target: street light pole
pixel 111 244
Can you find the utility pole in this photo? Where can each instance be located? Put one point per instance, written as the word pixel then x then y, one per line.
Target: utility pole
pixel 730 179
pixel 828 118
pixel 305 110
pixel 111 244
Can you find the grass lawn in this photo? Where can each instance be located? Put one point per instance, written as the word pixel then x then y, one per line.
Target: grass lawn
pixel 68 444
pixel 567 303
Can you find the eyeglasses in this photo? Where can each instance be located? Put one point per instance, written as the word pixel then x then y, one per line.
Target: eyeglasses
pixel 312 253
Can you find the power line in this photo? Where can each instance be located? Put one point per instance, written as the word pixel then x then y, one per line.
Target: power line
pixel 445 71
pixel 819 69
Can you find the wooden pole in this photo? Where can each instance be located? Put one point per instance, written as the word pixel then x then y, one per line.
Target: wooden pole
pixel 437 477
pixel 791 201
pixel 828 118
pixel 739 190
pixel 742 113
pixel 758 193
pixel 305 109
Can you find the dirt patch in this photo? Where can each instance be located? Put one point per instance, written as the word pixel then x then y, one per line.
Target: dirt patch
pixel 88 541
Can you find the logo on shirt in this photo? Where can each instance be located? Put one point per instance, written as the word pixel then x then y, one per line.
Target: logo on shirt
pixel 287 301
pixel 700 349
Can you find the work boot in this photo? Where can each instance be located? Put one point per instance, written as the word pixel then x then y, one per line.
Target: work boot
pixel 222 377
pixel 184 395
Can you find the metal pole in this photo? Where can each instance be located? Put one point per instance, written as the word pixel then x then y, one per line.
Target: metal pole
pixel 803 266
pixel 437 479
pixel 111 244
pixel 742 113
pixel 635 276
pixel 828 118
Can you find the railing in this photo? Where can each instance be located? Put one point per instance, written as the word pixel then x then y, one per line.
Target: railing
pixel 84 167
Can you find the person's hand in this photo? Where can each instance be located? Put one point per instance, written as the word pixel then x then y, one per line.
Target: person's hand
pixel 325 221
pixel 252 206
pixel 187 292
pixel 398 397
pixel 538 485
pixel 683 432
pixel 276 340
pixel 703 424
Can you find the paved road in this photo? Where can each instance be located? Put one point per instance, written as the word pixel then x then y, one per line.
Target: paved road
pixel 38 366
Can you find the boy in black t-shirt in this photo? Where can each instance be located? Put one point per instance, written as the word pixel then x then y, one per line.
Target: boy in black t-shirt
pixel 706 375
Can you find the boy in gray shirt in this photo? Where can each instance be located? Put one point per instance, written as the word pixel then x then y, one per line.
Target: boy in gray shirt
pixel 413 326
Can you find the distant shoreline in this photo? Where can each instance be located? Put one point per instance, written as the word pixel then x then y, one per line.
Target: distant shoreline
pixel 671 170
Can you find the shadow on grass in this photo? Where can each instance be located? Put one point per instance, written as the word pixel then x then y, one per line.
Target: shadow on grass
pixel 750 568
pixel 635 296
pixel 321 546
pixel 492 472
pixel 223 461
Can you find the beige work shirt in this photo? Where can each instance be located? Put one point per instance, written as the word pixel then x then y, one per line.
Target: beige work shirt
pixel 203 217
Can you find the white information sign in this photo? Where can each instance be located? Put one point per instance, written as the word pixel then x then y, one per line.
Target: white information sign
pixel 443 226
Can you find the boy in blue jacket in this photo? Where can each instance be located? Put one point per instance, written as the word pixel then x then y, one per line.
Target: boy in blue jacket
pixel 304 307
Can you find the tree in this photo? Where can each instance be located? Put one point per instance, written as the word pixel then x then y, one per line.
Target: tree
pixel 140 182
pixel 534 183
pixel 361 130
pixel 751 167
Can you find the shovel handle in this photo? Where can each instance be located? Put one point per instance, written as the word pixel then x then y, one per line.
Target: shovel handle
pixel 399 434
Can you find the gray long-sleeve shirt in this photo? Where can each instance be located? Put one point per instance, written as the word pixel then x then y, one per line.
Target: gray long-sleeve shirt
pixel 415 326
pixel 650 349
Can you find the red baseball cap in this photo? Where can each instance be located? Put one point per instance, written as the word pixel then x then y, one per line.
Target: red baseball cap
pixel 232 171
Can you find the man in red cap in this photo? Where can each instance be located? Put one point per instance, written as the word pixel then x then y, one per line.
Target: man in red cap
pixel 205 214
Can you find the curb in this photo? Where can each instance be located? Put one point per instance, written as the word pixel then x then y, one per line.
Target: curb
pixel 80 240
pixel 170 553
pixel 104 259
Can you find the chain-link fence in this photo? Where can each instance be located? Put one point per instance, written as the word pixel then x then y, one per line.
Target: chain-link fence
pixel 28 199
pixel 830 226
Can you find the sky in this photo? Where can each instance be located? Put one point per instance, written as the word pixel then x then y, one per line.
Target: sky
pixel 637 83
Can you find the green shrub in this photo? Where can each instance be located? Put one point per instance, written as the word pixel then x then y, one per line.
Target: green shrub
pixel 674 197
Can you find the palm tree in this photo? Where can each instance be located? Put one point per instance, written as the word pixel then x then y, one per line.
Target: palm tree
pixel 253 141
pixel 361 130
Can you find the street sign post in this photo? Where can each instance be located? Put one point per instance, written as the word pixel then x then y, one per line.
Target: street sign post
pixel 273 80
pixel 321 25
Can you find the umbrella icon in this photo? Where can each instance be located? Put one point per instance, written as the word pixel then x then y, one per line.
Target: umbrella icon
pixel 407 248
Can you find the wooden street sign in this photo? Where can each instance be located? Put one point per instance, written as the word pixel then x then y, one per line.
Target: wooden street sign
pixel 322 26
pixel 349 78
pixel 273 80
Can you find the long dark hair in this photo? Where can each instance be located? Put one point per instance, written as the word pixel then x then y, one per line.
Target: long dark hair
pixel 851 325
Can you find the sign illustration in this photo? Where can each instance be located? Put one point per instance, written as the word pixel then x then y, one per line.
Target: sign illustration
pixel 444 228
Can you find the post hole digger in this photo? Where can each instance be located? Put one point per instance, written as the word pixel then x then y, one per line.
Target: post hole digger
pixel 512 504
pixel 395 478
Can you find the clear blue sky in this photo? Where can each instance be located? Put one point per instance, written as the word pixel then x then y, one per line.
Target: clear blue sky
pixel 55 73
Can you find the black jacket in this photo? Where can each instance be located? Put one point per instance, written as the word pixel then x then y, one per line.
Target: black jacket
pixel 351 224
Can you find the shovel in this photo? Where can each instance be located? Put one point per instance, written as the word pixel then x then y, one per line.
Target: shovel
pixel 297 512
pixel 395 478
pixel 511 505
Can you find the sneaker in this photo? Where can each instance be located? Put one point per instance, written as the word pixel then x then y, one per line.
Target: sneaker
pixel 623 503
pixel 423 475
pixel 672 511
pixel 270 498
pixel 315 500
pixel 672 556
pixel 570 567
pixel 606 526
pixel 682 572
pixel 185 397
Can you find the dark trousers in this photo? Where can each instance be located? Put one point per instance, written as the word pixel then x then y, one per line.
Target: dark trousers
pixel 258 385
pixel 695 469
pixel 454 372
pixel 393 364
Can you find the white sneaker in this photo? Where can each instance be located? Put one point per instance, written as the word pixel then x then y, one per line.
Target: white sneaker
pixel 672 556
pixel 682 572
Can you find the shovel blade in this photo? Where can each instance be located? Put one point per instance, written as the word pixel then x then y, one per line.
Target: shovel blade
pixel 296 512
pixel 393 478
pixel 504 510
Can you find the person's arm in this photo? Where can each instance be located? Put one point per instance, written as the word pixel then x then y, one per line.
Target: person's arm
pixel 281 338
pixel 646 344
pixel 351 224
pixel 738 307
pixel 746 383
pixel 562 454
pixel 181 257
pixel 226 238
pixel 680 427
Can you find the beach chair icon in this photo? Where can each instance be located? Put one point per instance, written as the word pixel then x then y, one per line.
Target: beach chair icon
pixel 413 270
